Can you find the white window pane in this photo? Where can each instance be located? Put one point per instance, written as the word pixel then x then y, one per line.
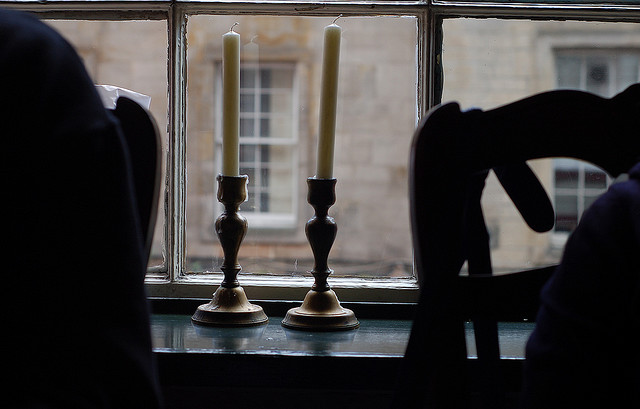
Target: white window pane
pixel 247 127
pixel 247 102
pixel 566 212
pixel 598 76
pixel 567 178
pixel 595 179
pixel 628 70
pixel 248 78
pixel 568 69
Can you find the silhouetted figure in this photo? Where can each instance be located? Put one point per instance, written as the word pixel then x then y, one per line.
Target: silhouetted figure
pixel 584 350
pixel 76 320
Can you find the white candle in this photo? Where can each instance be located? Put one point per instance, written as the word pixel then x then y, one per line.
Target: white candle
pixel 328 101
pixel 230 102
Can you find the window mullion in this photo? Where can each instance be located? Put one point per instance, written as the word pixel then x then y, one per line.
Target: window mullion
pixel 176 171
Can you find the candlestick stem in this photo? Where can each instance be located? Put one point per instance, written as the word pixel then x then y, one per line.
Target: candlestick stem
pixel 321 310
pixel 229 305
pixel 321 231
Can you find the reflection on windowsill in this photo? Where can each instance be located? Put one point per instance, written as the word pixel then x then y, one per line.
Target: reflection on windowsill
pixel 374 338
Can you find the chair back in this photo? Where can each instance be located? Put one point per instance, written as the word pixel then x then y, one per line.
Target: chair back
pixel 451 156
pixel 143 141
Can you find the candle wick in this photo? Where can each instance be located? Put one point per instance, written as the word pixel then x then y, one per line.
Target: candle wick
pixel 234 24
pixel 334 21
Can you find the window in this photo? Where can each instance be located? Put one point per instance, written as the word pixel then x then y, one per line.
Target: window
pixel 268 143
pixel 577 185
pixel 398 58
pixel 604 72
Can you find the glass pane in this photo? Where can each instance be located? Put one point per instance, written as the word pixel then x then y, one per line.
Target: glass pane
pixel 265 151
pixel 491 62
pixel 247 102
pixel 628 70
pixel 247 78
pixel 249 205
pixel 265 129
pixel 568 69
pixel 111 58
pixel 264 177
pixel 247 128
pixel 247 153
pixel 598 77
pixel 265 102
pixel 375 123
pixel 566 213
pixel 566 178
pixel 589 199
pixel 594 178
pixel 265 78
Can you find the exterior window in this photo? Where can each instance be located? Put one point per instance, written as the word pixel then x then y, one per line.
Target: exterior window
pixel 605 73
pixel 577 185
pixel 268 139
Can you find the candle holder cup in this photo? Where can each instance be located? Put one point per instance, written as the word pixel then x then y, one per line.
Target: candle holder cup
pixel 229 305
pixel 321 310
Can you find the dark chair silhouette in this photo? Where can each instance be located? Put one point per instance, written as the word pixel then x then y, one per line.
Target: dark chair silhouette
pixel 142 137
pixel 77 222
pixel 451 155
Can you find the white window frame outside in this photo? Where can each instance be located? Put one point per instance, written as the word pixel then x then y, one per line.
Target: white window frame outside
pixel 608 53
pixel 171 281
pixel 269 220
pixel 559 238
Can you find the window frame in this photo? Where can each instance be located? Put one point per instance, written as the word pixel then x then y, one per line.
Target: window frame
pixel 268 219
pixel 559 237
pixel 580 192
pixel 170 281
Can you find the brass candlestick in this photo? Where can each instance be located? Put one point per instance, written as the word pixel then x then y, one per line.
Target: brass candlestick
pixel 321 310
pixel 230 306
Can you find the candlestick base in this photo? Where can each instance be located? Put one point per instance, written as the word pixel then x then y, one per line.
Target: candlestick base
pixel 320 311
pixel 229 307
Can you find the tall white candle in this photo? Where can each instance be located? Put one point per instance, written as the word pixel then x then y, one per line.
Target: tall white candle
pixel 230 102
pixel 328 101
